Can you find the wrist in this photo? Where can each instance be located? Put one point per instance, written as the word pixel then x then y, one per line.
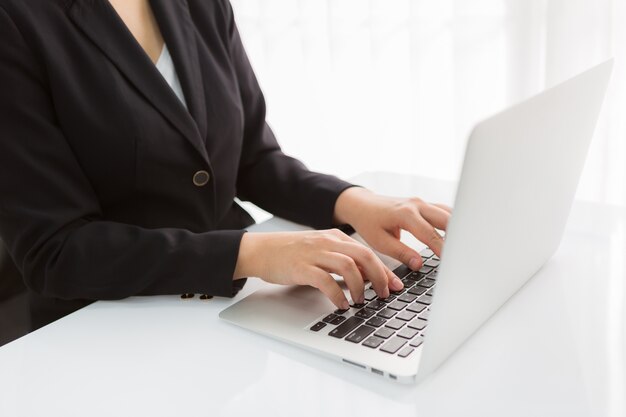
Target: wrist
pixel 250 259
pixel 349 204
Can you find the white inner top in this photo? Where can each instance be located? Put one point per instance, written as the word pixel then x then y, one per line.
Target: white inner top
pixel 165 65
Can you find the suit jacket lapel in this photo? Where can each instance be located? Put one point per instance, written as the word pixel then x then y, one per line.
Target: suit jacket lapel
pixel 178 31
pixel 99 21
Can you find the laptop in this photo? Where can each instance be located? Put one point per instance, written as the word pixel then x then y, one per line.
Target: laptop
pixel 518 181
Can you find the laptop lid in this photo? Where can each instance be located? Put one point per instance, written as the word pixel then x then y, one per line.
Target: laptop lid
pixel 518 181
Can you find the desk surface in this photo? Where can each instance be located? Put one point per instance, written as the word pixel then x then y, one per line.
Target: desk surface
pixel 558 348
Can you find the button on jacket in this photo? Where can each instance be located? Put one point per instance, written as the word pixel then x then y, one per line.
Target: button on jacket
pixel 109 187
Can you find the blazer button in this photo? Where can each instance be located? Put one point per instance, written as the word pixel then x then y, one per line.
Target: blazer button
pixel 201 178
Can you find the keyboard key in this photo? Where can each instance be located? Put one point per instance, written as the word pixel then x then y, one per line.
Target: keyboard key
pixel 365 313
pixel 386 313
pixel 384 332
pixel 397 305
pixel 416 307
pixel 346 327
pixel 373 342
pixel 395 324
pixel 432 263
pixel 318 326
pixel 358 305
pixel 417 341
pixel 408 333
pixel 329 318
pixel 340 311
pixel 377 305
pixel 388 299
pixel 405 352
pixel 418 324
pixel 417 290
pixel 416 276
pixel 406 315
pixel 402 271
pixel 407 298
pixel 397 293
pixel 369 294
pixel 359 334
pixel 337 320
pixel 425 314
pixel 427 253
pixel 408 283
pixel 430 292
pixel 376 321
pixel 425 269
pixel 426 283
pixel 393 345
pixel 425 299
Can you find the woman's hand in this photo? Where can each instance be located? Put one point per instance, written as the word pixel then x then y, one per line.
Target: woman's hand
pixel 308 258
pixel 379 220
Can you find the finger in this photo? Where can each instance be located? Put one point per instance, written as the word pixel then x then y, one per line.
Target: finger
pixel 436 216
pixel 394 282
pixel 345 266
pixel 371 265
pixel 390 245
pixel 322 280
pixel 340 235
pixel 443 207
pixel 425 233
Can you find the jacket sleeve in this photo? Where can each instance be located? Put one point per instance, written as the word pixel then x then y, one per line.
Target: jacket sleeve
pixel 51 220
pixel 274 181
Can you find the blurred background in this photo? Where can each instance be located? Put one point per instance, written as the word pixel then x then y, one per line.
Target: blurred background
pixel 396 85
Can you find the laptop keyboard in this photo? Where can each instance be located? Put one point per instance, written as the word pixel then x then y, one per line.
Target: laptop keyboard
pixel 395 325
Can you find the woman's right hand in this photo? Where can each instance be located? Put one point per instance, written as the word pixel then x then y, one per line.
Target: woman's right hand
pixel 308 258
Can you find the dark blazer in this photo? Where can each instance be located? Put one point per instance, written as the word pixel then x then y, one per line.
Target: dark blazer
pixel 109 187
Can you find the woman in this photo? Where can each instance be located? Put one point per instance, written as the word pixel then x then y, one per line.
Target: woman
pixel 129 127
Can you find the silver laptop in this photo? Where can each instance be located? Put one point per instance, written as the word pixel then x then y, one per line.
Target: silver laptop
pixel 517 185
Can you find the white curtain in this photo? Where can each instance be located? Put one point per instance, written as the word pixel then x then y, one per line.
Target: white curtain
pixel 356 85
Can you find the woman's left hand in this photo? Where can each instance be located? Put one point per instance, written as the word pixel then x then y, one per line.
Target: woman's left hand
pixel 379 220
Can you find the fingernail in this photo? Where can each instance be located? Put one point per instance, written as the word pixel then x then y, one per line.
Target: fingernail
pixel 414 264
pixel 345 305
pixel 397 284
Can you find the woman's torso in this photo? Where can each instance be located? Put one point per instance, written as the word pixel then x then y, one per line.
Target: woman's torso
pixel 137 145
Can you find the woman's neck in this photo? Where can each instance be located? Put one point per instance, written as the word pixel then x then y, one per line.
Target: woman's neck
pixel 138 17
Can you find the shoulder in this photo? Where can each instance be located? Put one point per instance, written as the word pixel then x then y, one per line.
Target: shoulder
pixel 39 22
pixel 212 17
pixel 220 10
pixel 34 7
pixel 220 4
pixel 33 13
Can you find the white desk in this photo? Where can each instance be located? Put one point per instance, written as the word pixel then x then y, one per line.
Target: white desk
pixel 558 348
